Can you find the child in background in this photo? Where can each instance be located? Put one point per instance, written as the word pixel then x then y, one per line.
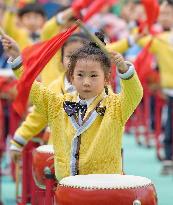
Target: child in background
pixel 164 42
pixel 87 126
pixel 24 24
pixel 35 122
pixel 49 74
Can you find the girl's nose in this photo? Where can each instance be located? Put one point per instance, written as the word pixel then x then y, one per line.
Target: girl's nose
pixel 86 82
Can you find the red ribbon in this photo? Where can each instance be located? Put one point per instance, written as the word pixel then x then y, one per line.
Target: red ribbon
pixel 152 11
pixel 34 60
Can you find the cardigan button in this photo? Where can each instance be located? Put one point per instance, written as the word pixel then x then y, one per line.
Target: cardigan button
pixel 77 156
pixel 77 172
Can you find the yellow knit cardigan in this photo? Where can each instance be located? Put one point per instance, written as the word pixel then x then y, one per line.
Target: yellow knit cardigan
pixel 100 146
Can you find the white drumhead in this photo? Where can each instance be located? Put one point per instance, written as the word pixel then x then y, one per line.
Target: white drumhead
pixel 45 149
pixel 105 181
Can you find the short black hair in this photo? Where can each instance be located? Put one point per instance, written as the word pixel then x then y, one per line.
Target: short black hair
pixel 137 1
pixel 170 2
pixel 32 7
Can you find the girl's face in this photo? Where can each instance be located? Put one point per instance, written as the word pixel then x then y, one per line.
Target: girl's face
pixel 32 21
pixel 88 78
pixel 68 50
pixel 139 13
pixel 126 12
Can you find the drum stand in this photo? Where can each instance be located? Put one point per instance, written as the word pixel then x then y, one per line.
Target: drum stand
pixel 27 180
pixel 44 196
pixel 50 183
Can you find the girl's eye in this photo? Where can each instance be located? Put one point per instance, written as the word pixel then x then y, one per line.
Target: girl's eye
pixel 68 56
pixel 79 74
pixel 94 75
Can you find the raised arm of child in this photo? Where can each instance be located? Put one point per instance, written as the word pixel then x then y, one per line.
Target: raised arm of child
pixel 131 88
pixel 41 97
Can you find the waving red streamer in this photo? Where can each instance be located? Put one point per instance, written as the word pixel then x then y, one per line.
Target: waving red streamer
pixel 34 59
pixel 96 6
pixel 143 63
pixel 78 5
pixel 152 11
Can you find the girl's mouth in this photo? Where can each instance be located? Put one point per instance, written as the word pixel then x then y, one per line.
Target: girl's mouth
pixel 87 91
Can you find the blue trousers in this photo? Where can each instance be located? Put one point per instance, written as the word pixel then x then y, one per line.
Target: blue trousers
pixel 168 131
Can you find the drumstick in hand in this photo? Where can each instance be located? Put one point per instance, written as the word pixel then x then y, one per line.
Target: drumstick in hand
pixel 93 37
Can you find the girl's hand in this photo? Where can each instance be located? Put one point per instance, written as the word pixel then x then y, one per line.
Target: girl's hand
pixel 66 15
pixel 10 46
pixel 118 60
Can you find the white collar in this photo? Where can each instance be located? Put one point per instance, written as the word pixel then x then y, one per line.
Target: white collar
pixel 68 86
pixel 88 102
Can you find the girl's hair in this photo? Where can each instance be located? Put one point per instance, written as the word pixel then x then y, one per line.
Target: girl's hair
pixel 77 37
pixel 169 2
pixel 93 52
pixel 32 7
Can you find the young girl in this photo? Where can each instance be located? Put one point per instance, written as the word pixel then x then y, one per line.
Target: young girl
pixel 87 126
pixel 35 121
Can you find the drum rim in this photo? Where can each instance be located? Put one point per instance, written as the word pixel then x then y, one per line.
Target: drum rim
pixel 37 183
pixel 100 187
pixel 41 151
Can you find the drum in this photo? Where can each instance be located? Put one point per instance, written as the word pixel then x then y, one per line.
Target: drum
pixel 105 189
pixel 42 157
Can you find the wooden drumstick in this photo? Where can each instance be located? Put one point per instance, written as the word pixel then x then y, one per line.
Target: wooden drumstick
pixel 93 37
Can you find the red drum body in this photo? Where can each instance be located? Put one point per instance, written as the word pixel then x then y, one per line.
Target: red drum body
pixel 43 157
pixel 106 189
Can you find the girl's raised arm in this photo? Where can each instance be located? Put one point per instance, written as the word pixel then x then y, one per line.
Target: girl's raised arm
pixel 41 97
pixel 131 88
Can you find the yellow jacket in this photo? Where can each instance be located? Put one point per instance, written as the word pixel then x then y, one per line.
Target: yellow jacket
pixel 35 121
pixel 162 48
pixel 100 144
pixel 120 46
